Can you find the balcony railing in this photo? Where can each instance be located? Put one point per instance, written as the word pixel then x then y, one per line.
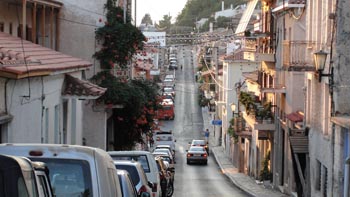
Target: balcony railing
pixel 297 55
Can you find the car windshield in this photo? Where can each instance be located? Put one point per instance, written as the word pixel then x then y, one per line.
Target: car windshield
pixel 168 90
pixel 199 142
pixel 196 149
pixel 134 174
pixel 68 177
pixel 142 159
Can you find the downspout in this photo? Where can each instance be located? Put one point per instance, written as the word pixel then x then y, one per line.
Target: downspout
pixel 331 84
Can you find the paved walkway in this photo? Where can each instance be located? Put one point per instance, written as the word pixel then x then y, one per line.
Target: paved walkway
pixel 242 181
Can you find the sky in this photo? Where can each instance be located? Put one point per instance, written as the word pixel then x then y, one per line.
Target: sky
pixel 157 9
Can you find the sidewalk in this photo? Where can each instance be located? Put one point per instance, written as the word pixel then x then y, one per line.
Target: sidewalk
pixel 242 181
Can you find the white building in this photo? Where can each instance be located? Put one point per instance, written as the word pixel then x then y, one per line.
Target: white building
pixel 42 93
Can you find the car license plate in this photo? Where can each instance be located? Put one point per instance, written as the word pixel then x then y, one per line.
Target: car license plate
pixel 197 155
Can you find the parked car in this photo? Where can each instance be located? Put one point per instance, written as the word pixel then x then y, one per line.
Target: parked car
pixel 148 163
pixel 164 138
pixel 202 143
pixel 197 154
pixel 169 90
pixel 164 150
pixel 167 147
pixel 172 77
pixel 165 178
pixel 73 169
pixel 21 177
pixel 126 184
pixel 138 176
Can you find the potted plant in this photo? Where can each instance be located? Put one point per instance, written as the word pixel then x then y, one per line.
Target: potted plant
pixel 265 173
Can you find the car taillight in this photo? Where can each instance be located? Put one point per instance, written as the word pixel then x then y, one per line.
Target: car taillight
pixel 154 188
pixel 205 155
pixel 189 155
pixel 142 189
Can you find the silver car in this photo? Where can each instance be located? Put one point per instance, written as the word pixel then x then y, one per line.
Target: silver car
pixel 137 174
pixel 197 154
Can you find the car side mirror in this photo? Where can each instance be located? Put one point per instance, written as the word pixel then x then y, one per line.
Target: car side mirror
pixel 174 140
pixel 150 184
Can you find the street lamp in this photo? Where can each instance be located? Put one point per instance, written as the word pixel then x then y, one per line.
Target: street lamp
pixel 320 62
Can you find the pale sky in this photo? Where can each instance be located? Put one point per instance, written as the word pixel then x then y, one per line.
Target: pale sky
pixel 157 9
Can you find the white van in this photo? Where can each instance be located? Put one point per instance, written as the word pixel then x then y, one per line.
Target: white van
pixel 21 177
pixel 148 163
pixel 73 170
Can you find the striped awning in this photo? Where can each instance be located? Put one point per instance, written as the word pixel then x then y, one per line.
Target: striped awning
pixel 243 23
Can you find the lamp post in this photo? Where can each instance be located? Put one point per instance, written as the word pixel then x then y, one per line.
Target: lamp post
pixel 320 62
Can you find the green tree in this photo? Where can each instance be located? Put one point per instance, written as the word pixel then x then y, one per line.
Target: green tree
pixel 139 101
pixel 223 22
pixel 147 20
pixel 120 41
pixel 165 23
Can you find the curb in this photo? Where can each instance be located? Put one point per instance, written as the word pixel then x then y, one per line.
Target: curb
pixel 231 178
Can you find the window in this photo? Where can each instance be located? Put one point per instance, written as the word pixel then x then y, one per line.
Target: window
pixel 73 121
pixel 46 135
pixel 56 124
pixel 10 28
pixel 69 177
pixel 2 27
pixel 324 180
pixel 326 110
pixel 318 176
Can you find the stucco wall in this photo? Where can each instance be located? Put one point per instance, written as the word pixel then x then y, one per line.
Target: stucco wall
pixel 2 95
pixel 342 59
pixel 79 19
pixel 32 103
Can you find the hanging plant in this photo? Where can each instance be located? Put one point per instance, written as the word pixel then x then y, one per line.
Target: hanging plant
pixel 231 131
pixel 120 41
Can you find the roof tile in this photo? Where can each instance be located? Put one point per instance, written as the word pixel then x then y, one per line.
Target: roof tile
pixel 21 57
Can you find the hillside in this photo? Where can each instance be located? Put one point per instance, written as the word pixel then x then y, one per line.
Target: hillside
pixel 197 9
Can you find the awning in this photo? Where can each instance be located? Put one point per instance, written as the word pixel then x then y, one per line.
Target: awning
pixel 77 88
pixel 295 117
pixel 251 75
pixel 243 23
pixel 4 118
pixel 244 134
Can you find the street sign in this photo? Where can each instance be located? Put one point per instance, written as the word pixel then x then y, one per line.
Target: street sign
pixel 216 122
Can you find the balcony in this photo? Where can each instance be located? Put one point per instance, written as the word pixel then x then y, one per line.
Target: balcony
pixel 298 56
pixel 258 124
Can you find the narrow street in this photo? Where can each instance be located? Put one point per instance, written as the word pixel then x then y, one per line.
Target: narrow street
pixel 195 179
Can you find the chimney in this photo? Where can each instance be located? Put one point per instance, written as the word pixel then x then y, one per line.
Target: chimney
pixel 222 5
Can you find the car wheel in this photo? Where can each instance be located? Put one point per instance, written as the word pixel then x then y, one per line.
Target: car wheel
pixel 170 190
pixel 188 162
pixel 206 163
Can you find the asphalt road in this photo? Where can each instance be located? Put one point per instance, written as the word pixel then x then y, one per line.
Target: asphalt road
pixel 195 179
